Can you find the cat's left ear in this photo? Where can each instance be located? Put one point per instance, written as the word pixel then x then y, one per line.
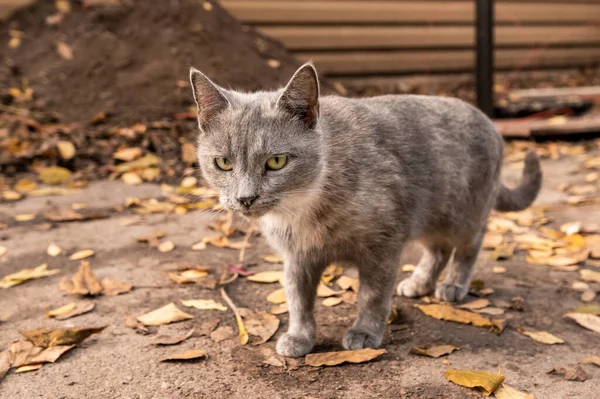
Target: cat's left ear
pixel 301 95
pixel 209 97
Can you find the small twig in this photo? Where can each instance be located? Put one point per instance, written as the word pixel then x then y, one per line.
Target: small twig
pixel 245 242
pixel 238 318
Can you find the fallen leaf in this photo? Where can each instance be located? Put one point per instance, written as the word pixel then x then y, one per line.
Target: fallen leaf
pixel 589 275
pixel 571 372
pixel 204 304
pixel 3 250
pixel 592 359
pixel 71 310
pixel 167 314
pixel 83 254
pixel 273 258
pixel 586 320
pixel 508 392
pixel 571 228
pixel 53 250
pixel 332 301
pixel 277 296
pixel 52 191
pixel 63 6
pixel 492 240
pixel 476 304
pixel 127 153
pixel 10 195
pixel 64 50
pixel 54 175
pixel 408 268
pixel 32 367
pixel 25 217
pixel 219 241
pixel 276 361
pixel 147 161
pixel 5 359
pixel 131 178
pixel 434 351
pixel 261 324
pixel 503 251
pixel 114 288
pixel 324 291
pixel 491 311
pixel 541 336
pixel 62 214
pixel 48 337
pixel 280 308
pixel 588 296
pixel 188 276
pixel 346 283
pixel 579 190
pixel 273 63
pixel 499 269
pixel 336 358
pixel 580 286
pixel 27 274
pixel 166 246
pixel 487 382
pixel 22 353
pixel 84 282
pixel 171 340
pixel 25 185
pixel 66 149
pixel 447 312
pixel 131 322
pixel 350 297
pixel 238 318
pixel 590 309
pixel 267 277
pixel 222 333
pixel 331 272
pixel 194 354
pixel 188 153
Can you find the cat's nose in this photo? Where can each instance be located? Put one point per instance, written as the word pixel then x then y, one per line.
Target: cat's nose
pixel 247 201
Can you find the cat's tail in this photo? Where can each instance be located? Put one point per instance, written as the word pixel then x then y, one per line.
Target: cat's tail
pixel 521 197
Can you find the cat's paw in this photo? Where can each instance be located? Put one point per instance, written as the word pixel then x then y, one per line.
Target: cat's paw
pixel 291 346
pixel 412 288
pixel 451 292
pixel 359 339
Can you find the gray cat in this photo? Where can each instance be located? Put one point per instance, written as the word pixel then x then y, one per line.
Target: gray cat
pixel 351 181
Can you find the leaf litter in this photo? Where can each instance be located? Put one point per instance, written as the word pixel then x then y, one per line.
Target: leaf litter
pixel 543 337
pixel 482 380
pixel 85 282
pixel 434 351
pixel 340 357
pixel 167 314
pixel 71 310
pixel 25 275
pixel 171 339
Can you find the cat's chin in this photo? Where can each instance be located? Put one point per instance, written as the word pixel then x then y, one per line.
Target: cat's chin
pixel 254 213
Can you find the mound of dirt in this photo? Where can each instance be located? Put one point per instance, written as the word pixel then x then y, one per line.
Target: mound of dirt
pixel 130 58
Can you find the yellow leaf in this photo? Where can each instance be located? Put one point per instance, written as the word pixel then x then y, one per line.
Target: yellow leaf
pixel 592 359
pixel 14 42
pixel 166 246
pixel 131 178
pixel 54 175
pixel 498 269
pixel 586 189
pixel 68 308
pixel 277 296
pixel 591 309
pixel 63 6
pixel 346 283
pixel 219 241
pixel 492 240
pixel 3 250
pixel 279 309
pixel 64 50
pixel 188 153
pixel 31 367
pixel 408 268
pixel 508 392
pixel 273 258
pixel 261 324
pixel 586 320
pixel 171 340
pixel 193 354
pixel 324 291
pixel 48 337
pixel 447 312
pixel 189 182
pixel 165 315
pixel 23 353
pixel 204 304
pixel 571 228
pixel 266 277
pixel 66 149
pixel 71 310
pixel 25 185
pixel 188 276
pixel 476 304
pixel 589 275
pixel 487 382
pixel 84 282
pixel 541 336
pixel 332 301
pixel 26 275
pixel 336 358
pixel 26 217
pixel 50 191
pixel 434 351
pixel 53 250
pixel 114 288
pixel 10 195
pixel 83 254
pixel 128 153
pixel 147 161
pixel 238 318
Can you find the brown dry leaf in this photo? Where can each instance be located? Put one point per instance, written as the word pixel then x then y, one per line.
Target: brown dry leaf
pixel 579 190
pixel 171 340
pixel 53 250
pixel 571 228
pixel 332 301
pixel 588 296
pixel 54 175
pixel 580 286
pixel 22 352
pixel 127 153
pixel 331 272
pixel 277 296
pixel 47 337
pixel 84 282
pixel 66 309
pixel 591 309
pixel 222 333
pixel 193 354
pixel 238 318
pixel 147 161
pixel 447 312
pixel 279 309
pixel 493 311
pixel 66 150
pixel 541 336
pixel 10 195
pixel 83 254
pixel 586 320
pixel 25 217
pixel 62 214
pixel 324 291
pixel 188 153
pixel 63 6
pixel 64 50
pixel 25 369
pixel 434 351
pixel 571 372
pixel 277 361
pixel 27 274
pixel 166 246
pixel 188 276
pixel 508 392
pixel 476 304
pixel 131 178
pixel 25 185
pixel 589 275
pixel 71 310
pixel 114 288
pixel 592 177
pixel 498 269
pixel 492 240
pixel 261 324
pixel 52 191
pixel 346 283
pixel 204 304
pixel 219 241
pixel 273 258
pixel 350 297
pixel 273 63
pixel 592 359
pixel 267 277
pixel 337 358
pixel 131 322
pixel 503 251
pixel 486 382
pixel 3 250
pixel 167 314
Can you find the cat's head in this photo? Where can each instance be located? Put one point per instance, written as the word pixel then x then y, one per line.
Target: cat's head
pixel 261 150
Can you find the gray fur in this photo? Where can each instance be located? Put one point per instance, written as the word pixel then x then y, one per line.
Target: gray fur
pixel 364 177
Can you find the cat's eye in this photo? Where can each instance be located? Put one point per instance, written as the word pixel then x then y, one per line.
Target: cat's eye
pixel 223 163
pixel 276 162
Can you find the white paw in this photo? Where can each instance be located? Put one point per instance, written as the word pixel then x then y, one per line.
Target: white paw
pixel 451 293
pixel 412 288
pixel 291 346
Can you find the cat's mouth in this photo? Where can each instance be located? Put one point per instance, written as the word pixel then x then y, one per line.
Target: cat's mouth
pixel 258 210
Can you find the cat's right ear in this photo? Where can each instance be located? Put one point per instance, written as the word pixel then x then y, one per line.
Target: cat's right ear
pixel 209 98
pixel 301 95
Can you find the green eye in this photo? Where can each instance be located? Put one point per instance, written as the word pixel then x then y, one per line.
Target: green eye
pixel 277 162
pixel 223 163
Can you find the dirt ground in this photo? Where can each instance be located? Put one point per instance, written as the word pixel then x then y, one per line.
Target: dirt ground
pixel 120 363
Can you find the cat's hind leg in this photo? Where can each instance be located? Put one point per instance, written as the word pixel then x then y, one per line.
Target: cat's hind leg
pixel 458 277
pixel 423 279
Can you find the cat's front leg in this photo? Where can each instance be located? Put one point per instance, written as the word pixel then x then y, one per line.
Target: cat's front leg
pixel 377 280
pixel 301 281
